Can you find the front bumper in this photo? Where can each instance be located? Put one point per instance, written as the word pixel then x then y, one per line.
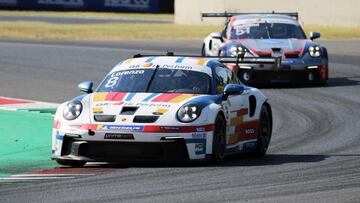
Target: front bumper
pixel 159 144
pixel 288 72
pixel 174 150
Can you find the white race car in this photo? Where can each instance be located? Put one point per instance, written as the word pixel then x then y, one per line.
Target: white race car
pixel 163 108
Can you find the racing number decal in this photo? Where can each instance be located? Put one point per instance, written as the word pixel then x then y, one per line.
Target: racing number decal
pixel 111 82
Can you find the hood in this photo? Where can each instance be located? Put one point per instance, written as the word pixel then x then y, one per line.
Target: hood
pixel 266 46
pixel 130 108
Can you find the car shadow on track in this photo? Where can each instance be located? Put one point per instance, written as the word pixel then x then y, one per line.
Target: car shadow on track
pixel 274 159
pixel 333 82
pixel 232 161
pixel 343 81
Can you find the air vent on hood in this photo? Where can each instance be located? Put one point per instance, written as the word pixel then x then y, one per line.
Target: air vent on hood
pixel 128 110
pixel 104 118
pixel 145 119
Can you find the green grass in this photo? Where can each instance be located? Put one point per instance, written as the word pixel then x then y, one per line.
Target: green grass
pixel 25 142
pixel 105 31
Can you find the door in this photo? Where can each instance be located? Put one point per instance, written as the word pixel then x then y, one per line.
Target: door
pixel 235 107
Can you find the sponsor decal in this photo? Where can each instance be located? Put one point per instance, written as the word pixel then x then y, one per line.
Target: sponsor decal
pixel 250 131
pixel 175 66
pixel 73 3
pixel 60 137
pixel 199 147
pixel 117 103
pixel 119 136
pixel 103 104
pixel 135 4
pixel 288 61
pixel 127 72
pixel 201 135
pixel 170 128
pixel 149 105
pixel 8 2
pixel 122 127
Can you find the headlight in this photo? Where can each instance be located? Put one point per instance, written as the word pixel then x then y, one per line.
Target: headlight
pixel 188 113
pixel 315 51
pixel 72 110
pixel 236 50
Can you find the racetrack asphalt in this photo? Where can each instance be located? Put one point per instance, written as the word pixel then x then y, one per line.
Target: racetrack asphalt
pixel 314 155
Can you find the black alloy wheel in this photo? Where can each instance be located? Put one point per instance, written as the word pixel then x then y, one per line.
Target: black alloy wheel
pixel 219 140
pixel 264 134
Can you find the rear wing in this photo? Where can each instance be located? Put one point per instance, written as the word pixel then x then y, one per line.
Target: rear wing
pixel 240 59
pixel 294 15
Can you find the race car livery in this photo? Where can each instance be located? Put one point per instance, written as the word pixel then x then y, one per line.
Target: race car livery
pixel 162 108
pixel 267 35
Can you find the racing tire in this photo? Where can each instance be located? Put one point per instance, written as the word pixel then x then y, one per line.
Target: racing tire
pixel 71 163
pixel 203 50
pixel 244 74
pixel 264 133
pixel 219 140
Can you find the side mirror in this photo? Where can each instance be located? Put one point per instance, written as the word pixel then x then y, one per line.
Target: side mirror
pixel 217 35
pixel 233 89
pixel 86 86
pixel 314 35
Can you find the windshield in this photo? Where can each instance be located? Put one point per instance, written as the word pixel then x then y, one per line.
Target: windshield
pixel 267 31
pixel 158 80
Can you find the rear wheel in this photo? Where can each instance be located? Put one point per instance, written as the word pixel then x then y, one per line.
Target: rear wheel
pixel 244 76
pixel 264 133
pixel 219 140
pixel 72 163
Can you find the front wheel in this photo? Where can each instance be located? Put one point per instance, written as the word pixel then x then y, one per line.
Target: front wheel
pixel 219 140
pixel 72 163
pixel 264 133
pixel 203 50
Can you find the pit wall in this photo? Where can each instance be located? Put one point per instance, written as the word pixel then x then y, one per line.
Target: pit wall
pixel 319 12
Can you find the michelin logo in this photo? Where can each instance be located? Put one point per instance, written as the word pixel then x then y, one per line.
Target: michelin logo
pixel 8 2
pixel 62 2
pixel 137 4
pixel 122 127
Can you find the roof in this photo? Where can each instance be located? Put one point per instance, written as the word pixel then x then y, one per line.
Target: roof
pixel 171 62
pixel 256 18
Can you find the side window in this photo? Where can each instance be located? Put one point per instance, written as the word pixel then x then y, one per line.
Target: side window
pixel 223 77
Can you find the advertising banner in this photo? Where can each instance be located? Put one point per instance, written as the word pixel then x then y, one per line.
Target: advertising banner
pixel 147 6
